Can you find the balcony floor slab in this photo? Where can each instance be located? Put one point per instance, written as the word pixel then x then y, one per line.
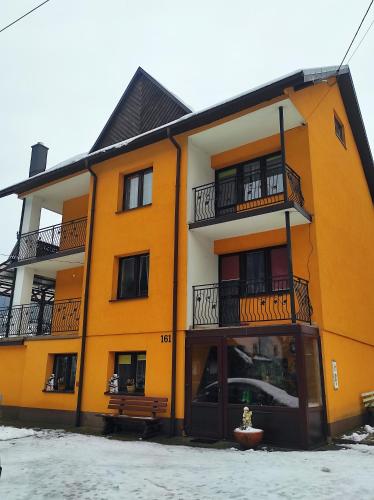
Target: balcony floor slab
pixel 251 221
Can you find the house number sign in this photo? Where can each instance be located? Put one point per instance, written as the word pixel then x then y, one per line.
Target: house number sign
pixel 165 339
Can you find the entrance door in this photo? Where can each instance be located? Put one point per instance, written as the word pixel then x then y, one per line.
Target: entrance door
pixel 204 388
pixel 229 290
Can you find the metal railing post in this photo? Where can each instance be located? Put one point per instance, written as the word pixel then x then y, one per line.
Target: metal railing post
pixel 290 268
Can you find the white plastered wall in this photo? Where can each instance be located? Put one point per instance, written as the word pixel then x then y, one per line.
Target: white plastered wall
pixel 202 263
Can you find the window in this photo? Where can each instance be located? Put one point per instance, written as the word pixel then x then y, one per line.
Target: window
pixel 258 271
pixel 130 368
pixel 133 277
pixel 138 189
pixel 262 371
pixel 339 130
pixel 249 181
pixel 64 369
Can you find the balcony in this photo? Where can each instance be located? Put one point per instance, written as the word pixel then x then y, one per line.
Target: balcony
pixel 242 303
pixel 34 319
pixel 63 238
pixel 221 206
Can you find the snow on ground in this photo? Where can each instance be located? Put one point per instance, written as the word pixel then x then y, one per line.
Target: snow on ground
pixel 7 433
pixel 360 435
pixel 59 465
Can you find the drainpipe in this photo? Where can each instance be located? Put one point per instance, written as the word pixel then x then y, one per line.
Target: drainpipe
pixel 175 283
pixel 78 413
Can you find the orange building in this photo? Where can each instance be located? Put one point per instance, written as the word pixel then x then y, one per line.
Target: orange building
pixel 219 258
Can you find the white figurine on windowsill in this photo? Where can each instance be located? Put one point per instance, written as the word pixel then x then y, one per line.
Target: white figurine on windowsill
pixel 113 384
pixel 50 385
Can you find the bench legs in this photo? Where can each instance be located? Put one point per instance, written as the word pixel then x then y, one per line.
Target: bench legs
pixel 150 429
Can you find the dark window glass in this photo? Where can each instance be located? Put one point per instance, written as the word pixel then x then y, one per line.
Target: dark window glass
pixel 133 276
pixel 204 373
pixel 64 369
pixel 255 272
pixel 138 189
pixel 252 187
pixel 130 368
pixel 313 373
pixel 339 129
pixel 262 371
pixel 274 175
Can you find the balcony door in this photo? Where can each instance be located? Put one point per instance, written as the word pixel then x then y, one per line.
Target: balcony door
pixel 229 290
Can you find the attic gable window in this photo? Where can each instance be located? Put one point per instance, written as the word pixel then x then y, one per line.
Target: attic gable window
pixel 339 129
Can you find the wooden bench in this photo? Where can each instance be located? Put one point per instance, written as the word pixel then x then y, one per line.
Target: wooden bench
pixel 134 409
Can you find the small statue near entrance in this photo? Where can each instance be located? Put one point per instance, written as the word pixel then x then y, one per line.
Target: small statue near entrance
pixel 246 419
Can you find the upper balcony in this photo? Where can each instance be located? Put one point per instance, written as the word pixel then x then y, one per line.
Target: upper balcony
pixel 58 240
pixel 244 174
pixel 250 193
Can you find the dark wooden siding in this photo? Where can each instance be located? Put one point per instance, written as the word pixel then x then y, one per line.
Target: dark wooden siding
pixel 145 105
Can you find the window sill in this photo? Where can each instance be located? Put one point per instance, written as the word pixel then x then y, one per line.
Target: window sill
pixel 107 393
pixel 127 210
pixel 58 392
pixel 129 298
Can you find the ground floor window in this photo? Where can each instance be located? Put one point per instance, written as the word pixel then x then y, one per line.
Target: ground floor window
pixel 130 368
pixel 64 370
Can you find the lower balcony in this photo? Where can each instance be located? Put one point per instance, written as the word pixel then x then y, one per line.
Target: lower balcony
pixel 243 303
pixel 34 319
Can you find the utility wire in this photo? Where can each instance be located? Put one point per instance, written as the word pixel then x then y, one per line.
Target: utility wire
pixel 354 38
pixel 362 39
pixel 24 15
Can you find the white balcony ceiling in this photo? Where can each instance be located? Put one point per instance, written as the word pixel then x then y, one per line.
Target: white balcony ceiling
pixel 54 195
pixel 49 267
pixel 248 128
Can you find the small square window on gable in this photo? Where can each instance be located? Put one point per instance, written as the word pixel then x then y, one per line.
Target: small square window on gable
pixel 339 129
pixel 137 190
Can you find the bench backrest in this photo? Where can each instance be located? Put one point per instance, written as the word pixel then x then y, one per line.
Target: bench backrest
pixel 138 404
pixel 368 399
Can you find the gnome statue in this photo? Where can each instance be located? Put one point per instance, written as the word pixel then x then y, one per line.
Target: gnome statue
pixel 50 385
pixel 247 418
pixel 113 384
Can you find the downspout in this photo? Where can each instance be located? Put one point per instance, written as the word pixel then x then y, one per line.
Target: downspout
pixel 78 413
pixel 175 284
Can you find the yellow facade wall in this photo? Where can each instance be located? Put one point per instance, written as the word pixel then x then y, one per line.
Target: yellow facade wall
pixel 69 283
pixel 75 208
pixel 12 366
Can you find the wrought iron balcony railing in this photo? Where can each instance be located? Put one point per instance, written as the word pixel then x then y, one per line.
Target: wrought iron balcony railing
pixel 40 318
pixel 236 303
pixel 52 239
pixel 235 194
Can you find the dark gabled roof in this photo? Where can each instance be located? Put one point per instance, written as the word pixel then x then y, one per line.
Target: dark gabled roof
pixel 144 105
pixel 270 90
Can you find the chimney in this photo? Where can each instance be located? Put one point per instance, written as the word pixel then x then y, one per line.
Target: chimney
pixel 38 160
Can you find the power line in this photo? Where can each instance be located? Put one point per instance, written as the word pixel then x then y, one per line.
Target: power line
pixel 354 38
pixel 362 39
pixel 24 15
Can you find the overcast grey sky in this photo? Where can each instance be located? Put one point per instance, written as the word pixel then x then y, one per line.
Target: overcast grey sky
pixel 64 67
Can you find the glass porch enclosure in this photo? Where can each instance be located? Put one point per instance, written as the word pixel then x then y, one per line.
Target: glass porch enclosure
pixel 277 375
